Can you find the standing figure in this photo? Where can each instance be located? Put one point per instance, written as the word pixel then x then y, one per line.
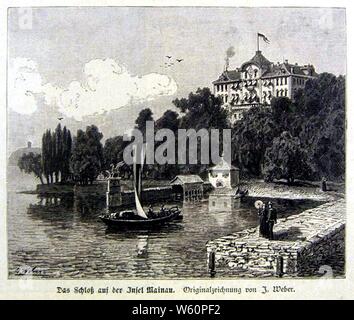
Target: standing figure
pixel 324 184
pixel 271 220
pixel 263 227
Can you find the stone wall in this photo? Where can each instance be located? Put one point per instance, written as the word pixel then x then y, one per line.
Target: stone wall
pixel 303 243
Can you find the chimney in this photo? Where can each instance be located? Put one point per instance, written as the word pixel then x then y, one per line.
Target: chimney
pixel 29 144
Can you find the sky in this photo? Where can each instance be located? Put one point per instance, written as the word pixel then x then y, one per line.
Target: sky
pixel 102 65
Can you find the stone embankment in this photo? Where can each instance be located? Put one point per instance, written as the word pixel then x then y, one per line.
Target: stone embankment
pixel 278 190
pixel 303 244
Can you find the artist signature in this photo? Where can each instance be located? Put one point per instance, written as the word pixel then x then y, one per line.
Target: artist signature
pixel 27 270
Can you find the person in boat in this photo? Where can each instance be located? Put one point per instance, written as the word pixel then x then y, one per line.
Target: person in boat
pixel 150 213
pixel 271 220
pixel 162 210
pixel 263 225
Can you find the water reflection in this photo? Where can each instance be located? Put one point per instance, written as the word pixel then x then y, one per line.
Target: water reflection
pixel 64 236
pixel 142 246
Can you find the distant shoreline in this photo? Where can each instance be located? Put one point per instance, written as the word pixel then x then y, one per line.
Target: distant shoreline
pixel 257 188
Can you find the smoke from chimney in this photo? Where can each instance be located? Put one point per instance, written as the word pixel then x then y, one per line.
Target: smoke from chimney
pixel 230 52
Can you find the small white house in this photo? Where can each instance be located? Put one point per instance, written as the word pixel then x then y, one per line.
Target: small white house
pixel 224 175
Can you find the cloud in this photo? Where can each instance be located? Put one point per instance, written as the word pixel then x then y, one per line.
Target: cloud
pixel 106 85
pixel 25 86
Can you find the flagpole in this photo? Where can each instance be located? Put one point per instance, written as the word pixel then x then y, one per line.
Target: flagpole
pixel 257 42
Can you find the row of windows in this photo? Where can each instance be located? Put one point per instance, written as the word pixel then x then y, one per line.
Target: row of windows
pixel 282 93
pixel 278 81
pixel 221 87
pixel 281 81
pixel 299 81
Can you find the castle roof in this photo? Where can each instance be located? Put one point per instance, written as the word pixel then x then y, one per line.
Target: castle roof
pixel 258 59
pixel 269 69
pixel 229 76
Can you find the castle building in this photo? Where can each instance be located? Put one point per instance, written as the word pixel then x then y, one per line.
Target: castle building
pixel 257 81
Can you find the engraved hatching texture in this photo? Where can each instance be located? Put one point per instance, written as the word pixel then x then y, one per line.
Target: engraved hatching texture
pixel 305 242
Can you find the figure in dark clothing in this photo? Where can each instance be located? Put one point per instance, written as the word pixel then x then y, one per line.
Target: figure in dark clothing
pixel 151 213
pixel 162 210
pixel 263 227
pixel 324 184
pixel 271 220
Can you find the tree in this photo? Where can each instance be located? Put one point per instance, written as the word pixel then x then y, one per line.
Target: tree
pixel 113 151
pixel 251 137
pixel 57 138
pixel 31 163
pixel 202 110
pixel 320 123
pixel 286 159
pixel 47 156
pixel 87 155
pixel 144 115
pixel 66 155
pixel 169 120
pixel 56 153
pixel 283 112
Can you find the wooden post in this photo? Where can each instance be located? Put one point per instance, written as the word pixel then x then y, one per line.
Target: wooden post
pixel 211 263
pixel 280 267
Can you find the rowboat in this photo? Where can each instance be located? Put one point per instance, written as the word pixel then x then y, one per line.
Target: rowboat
pixel 129 218
pixel 138 217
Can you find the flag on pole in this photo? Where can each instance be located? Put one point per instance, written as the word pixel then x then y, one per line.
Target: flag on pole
pixel 265 39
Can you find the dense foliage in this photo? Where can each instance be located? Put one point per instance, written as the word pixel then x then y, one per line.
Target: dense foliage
pixel 316 118
pixel 56 153
pixel 299 139
pixel 87 156
pixel 31 163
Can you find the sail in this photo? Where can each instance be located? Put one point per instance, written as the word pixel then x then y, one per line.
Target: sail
pixel 137 171
pixel 139 208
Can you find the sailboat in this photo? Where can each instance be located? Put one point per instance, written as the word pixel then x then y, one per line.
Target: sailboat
pixel 138 217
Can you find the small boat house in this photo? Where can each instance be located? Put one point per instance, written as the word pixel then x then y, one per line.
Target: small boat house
pixel 188 187
pixel 224 175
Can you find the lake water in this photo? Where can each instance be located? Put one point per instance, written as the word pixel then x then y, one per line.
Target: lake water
pixel 64 238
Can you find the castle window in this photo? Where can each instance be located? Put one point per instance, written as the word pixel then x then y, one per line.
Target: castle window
pixel 281 81
pixel 286 92
pixel 277 93
pixel 255 73
pixel 277 82
pixel 246 74
pixel 285 80
pixel 226 98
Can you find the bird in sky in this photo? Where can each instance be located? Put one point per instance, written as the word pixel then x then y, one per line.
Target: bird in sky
pixel 168 57
pixel 60 118
pixel 179 60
